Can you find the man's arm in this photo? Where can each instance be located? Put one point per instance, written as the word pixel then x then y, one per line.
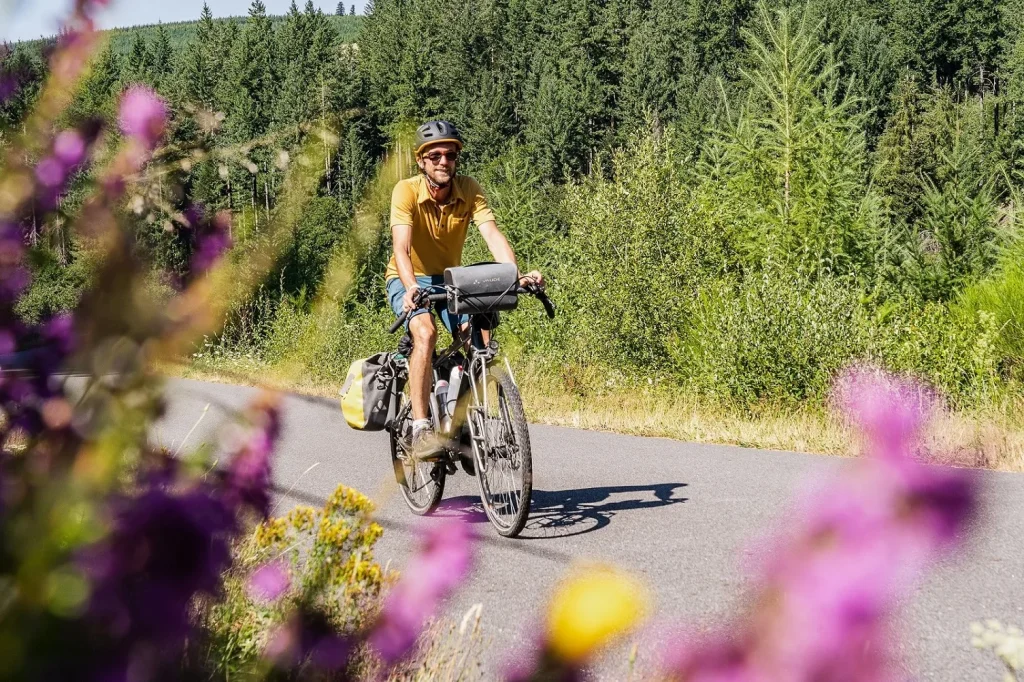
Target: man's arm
pixel 401 238
pixel 501 250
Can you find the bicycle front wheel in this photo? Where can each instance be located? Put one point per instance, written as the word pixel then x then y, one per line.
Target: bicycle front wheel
pixel 501 450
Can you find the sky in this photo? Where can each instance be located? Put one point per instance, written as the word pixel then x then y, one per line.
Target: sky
pixel 27 19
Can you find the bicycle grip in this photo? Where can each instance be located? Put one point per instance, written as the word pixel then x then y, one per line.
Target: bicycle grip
pixel 399 322
pixel 549 307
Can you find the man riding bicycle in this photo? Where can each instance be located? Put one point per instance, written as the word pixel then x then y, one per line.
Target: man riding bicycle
pixel 430 216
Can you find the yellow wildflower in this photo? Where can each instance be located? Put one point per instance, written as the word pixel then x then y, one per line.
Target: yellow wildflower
pixel 302 518
pixel 589 610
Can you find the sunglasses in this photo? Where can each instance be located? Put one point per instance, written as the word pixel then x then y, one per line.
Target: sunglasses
pixel 434 157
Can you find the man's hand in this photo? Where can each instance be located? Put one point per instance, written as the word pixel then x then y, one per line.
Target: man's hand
pixel 533 277
pixel 409 300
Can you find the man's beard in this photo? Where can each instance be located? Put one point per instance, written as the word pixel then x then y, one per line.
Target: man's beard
pixel 440 185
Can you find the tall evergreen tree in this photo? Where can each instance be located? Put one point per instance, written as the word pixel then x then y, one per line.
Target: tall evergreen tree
pixel 162 65
pixel 201 62
pixel 792 164
pixel 252 76
pixel 138 66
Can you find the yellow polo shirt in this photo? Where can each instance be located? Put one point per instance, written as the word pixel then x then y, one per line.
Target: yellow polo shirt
pixel 438 232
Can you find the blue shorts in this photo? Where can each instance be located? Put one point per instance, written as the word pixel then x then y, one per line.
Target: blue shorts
pixel 396 292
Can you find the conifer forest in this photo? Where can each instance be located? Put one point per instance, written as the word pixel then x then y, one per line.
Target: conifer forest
pixel 734 199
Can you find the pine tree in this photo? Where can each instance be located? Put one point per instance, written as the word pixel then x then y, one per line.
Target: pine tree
pixel 252 81
pixel 296 99
pixel 952 41
pixel 340 9
pixel 201 63
pixel 139 60
pixel 99 88
pixel 352 11
pixel 791 164
pixel 162 65
pixel 901 157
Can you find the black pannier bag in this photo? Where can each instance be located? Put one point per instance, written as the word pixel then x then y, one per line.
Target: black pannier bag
pixel 482 288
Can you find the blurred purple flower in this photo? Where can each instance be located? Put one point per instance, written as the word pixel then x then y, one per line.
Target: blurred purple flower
pixel 309 636
pixel 828 589
pixel 269 581
pixel 50 172
pixel 69 148
pixel 143 115
pixel 164 548
pixel 248 476
pixel 212 240
pixel 441 564
pixel 9 86
pixel 889 409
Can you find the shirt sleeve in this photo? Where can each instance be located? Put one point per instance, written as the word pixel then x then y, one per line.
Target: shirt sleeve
pixel 403 201
pixel 481 211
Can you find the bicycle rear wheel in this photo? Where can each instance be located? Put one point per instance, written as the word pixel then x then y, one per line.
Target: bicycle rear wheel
pixel 421 483
pixel 501 449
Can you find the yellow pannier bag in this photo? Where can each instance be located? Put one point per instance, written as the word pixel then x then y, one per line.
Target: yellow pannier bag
pixel 369 396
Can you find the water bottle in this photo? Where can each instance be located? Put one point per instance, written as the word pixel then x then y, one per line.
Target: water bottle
pixel 441 392
pixel 454 383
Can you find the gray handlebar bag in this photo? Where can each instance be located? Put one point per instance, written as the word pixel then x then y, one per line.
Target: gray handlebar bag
pixel 482 288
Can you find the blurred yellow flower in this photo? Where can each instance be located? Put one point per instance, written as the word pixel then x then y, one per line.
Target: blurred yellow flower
pixel 592 608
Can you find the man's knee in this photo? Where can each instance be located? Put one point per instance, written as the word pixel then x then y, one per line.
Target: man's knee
pixel 423 332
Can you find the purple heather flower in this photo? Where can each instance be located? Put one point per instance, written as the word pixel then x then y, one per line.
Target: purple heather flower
pixel 163 549
pixel 69 148
pixel 827 591
pixel 889 409
pixel 441 564
pixel 143 115
pixel 213 239
pixel 248 476
pixel 309 636
pixel 269 581
pixel 50 172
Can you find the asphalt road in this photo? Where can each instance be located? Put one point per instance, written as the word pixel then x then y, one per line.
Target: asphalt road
pixel 676 514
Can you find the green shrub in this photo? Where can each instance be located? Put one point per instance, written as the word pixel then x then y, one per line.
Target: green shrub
pixel 639 247
pixel 1002 295
pixel 772 336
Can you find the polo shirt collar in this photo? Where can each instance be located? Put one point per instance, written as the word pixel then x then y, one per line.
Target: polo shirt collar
pixel 423 194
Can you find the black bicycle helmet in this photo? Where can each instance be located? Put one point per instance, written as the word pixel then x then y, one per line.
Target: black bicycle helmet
pixel 433 132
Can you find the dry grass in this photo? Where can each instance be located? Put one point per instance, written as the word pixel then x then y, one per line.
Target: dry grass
pixel 990 437
pixel 449 652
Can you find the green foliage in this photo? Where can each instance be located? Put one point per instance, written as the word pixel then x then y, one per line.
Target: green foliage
pixel 737 198
pixel 790 166
pixel 772 336
pixel 638 247
pixel 323 225
pixel 55 288
pixel 1001 295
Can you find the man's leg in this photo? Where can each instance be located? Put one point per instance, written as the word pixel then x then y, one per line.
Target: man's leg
pixel 424 337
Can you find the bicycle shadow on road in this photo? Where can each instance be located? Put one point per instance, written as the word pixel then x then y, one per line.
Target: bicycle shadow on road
pixel 564 513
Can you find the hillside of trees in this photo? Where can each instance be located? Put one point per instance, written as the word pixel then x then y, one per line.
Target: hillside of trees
pixel 736 198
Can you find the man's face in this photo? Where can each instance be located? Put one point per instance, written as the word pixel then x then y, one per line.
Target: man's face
pixel 438 161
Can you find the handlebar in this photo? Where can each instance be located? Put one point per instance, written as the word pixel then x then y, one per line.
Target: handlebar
pixel 423 296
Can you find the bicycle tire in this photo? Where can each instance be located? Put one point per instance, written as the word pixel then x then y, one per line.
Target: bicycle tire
pixel 421 498
pixel 508 522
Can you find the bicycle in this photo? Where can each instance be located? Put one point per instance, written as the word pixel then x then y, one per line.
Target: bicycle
pixel 486 416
